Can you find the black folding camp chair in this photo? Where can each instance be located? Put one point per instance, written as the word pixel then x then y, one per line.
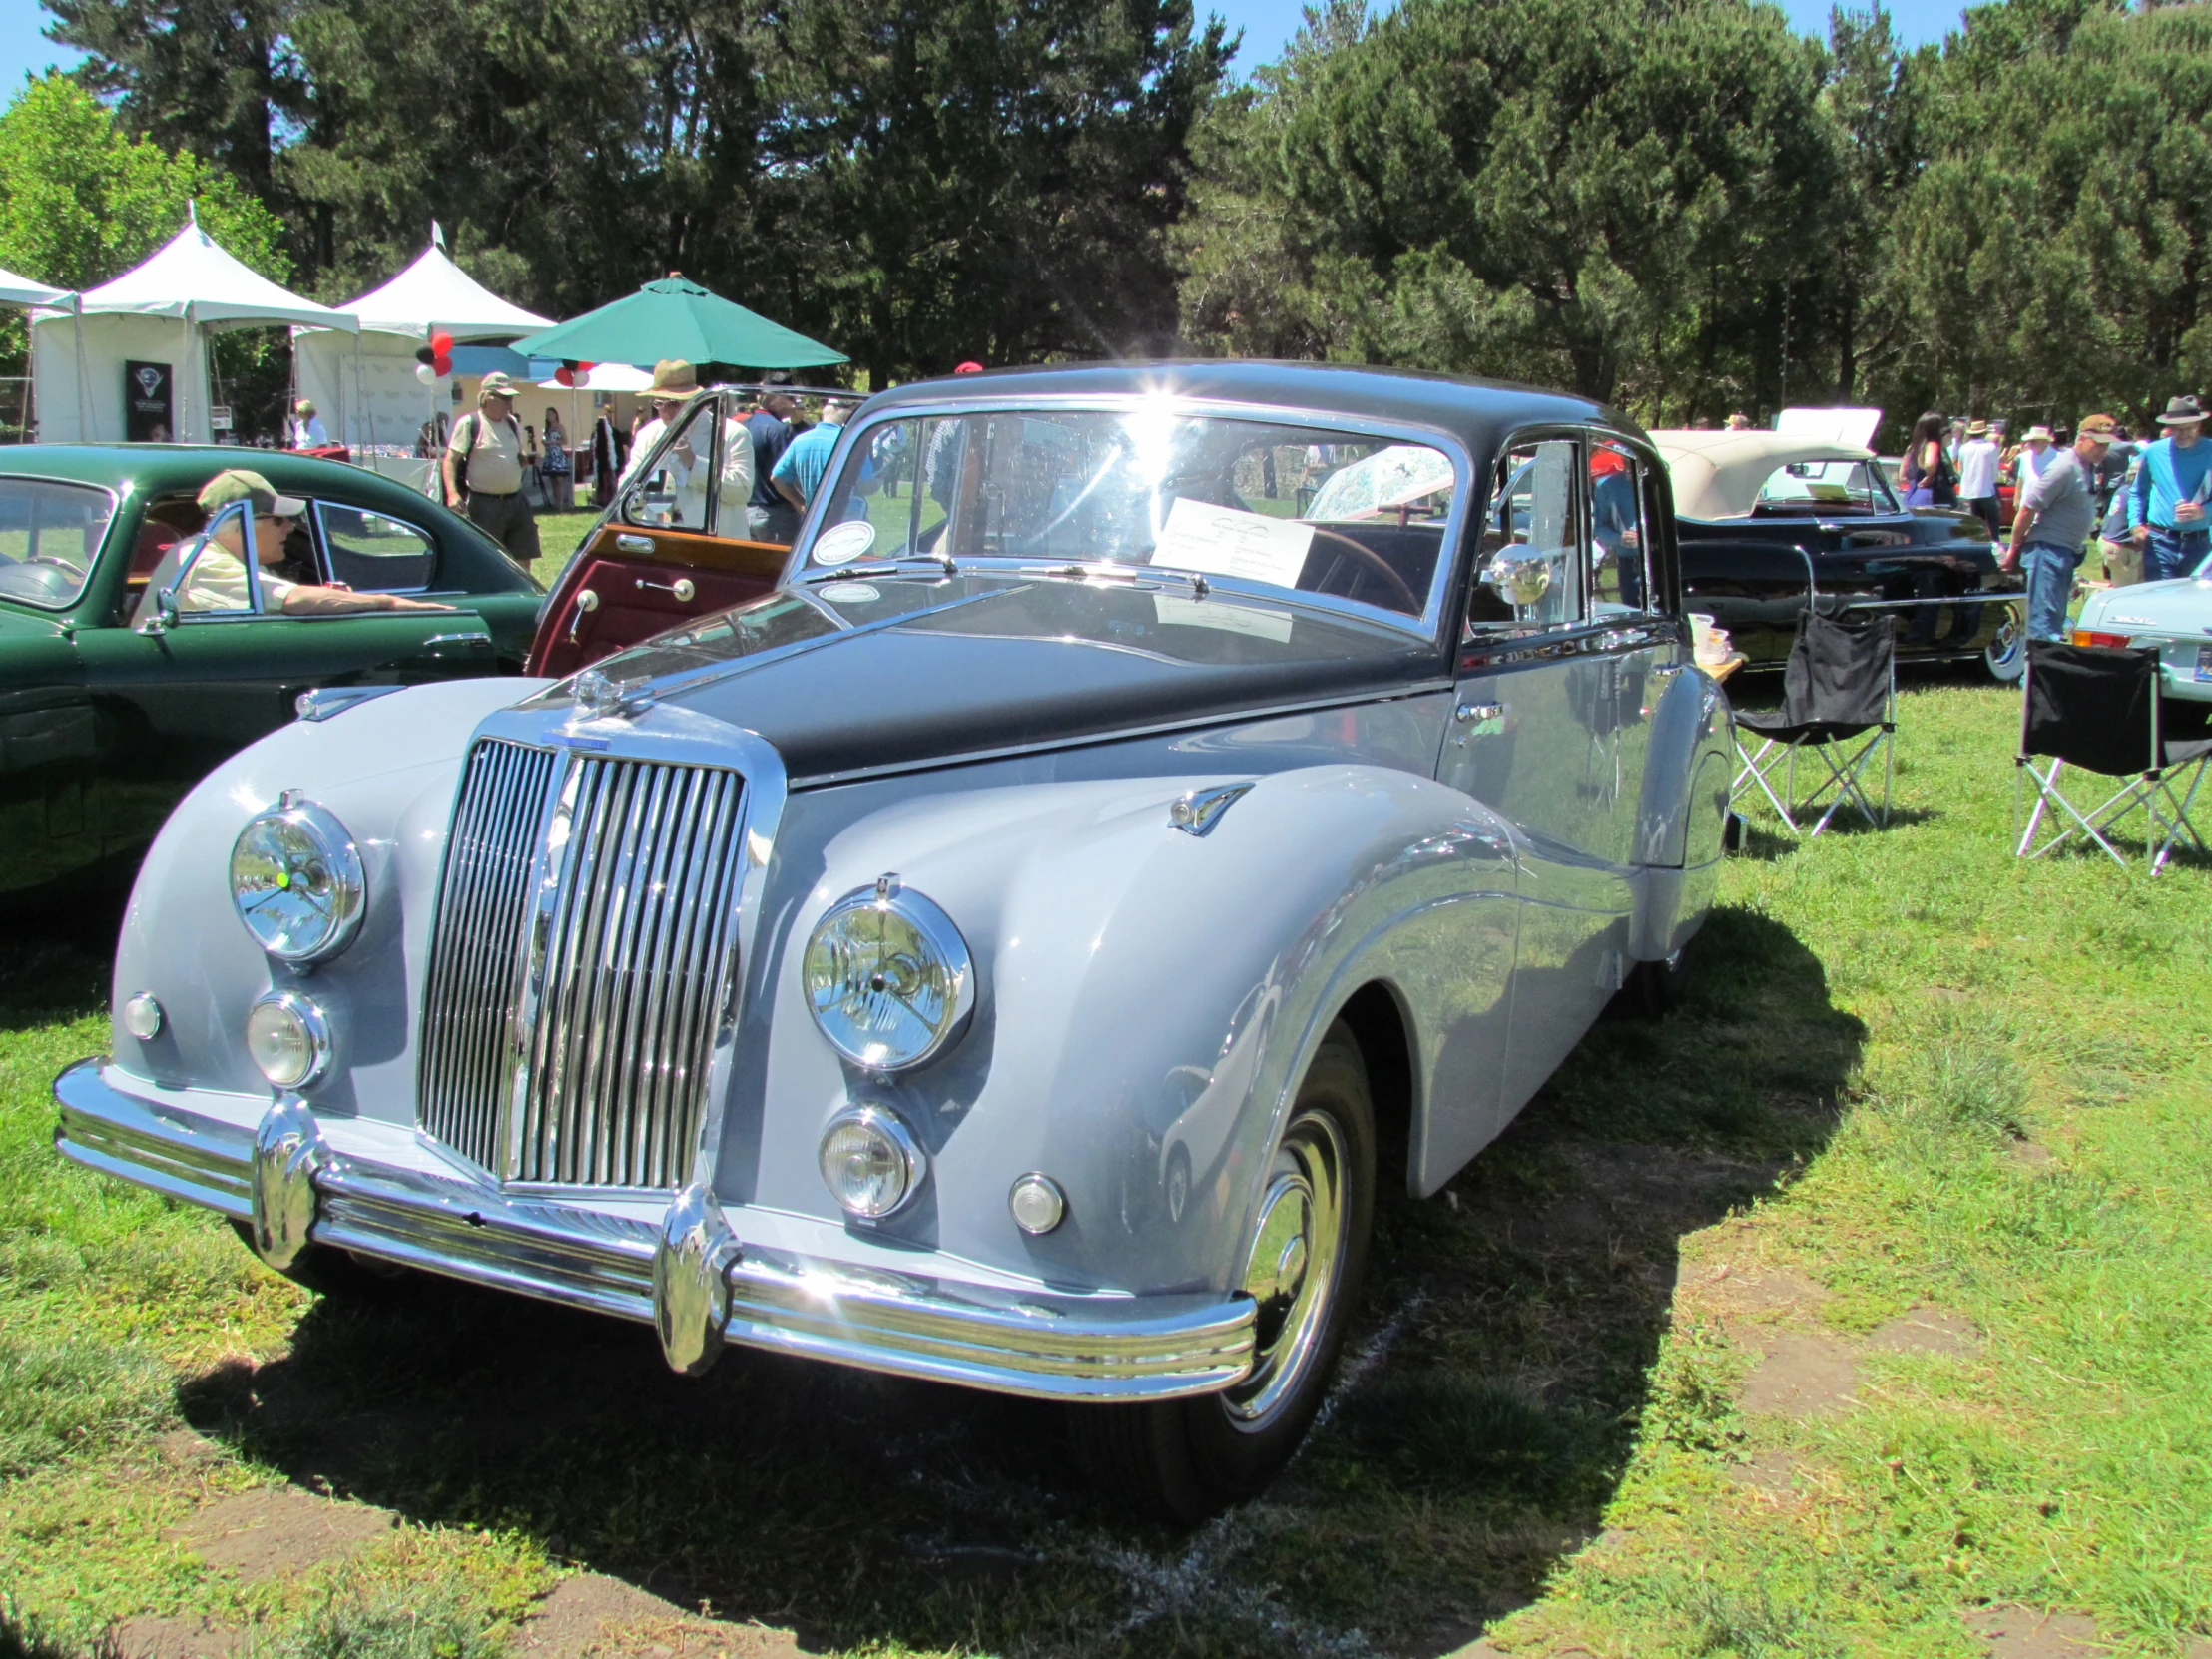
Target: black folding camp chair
pixel 2101 710
pixel 1839 687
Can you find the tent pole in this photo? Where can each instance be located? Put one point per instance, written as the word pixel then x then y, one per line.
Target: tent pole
pixel 84 369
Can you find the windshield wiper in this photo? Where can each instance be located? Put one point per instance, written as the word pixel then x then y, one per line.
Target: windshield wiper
pixel 941 562
pixel 1132 574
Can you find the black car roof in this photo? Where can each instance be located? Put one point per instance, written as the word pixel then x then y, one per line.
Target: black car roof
pixel 1476 411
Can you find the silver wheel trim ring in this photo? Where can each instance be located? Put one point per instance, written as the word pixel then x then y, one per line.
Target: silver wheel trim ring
pixel 1308 1173
pixel 2010 639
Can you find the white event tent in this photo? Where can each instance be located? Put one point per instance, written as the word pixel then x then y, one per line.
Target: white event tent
pixel 158 314
pixel 363 385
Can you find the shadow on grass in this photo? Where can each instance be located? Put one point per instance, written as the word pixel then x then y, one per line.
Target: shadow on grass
pixel 55 962
pixel 1766 842
pixel 1500 1383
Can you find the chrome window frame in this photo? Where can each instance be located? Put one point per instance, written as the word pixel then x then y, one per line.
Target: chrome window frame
pixel 1442 581
pixel 244 511
pixel 631 480
pixel 107 535
pixel 321 535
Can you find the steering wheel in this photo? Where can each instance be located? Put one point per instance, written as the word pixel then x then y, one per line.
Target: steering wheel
pixel 1377 563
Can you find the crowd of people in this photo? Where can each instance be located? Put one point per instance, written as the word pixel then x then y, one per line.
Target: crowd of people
pixel 2140 501
pixel 501 469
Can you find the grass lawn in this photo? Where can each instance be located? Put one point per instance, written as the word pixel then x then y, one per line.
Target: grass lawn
pixel 1862 1307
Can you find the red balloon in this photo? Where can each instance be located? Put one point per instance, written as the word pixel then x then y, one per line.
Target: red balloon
pixel 441 344
pixel 443 364
pixel 564 377
pixel 587 368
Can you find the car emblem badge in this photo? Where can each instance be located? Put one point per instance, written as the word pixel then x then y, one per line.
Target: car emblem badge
pixel 603 699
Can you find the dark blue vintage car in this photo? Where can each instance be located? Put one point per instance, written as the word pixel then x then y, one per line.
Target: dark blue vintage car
pixel 1155 805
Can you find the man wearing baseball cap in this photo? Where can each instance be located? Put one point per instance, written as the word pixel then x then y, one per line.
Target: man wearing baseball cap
pixel 483 470
pixel 2057 510
pixel 216 581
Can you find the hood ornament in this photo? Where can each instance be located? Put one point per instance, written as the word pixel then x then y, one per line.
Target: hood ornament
pixel 600 698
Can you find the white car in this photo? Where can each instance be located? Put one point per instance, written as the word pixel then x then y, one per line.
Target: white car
pixel 2174 616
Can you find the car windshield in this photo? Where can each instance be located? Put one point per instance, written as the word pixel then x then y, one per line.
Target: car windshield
pixel 1824 487
pixel 1295 508
pixel 49 535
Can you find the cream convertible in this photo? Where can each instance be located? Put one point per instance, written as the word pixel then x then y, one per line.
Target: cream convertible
pixel 1004 952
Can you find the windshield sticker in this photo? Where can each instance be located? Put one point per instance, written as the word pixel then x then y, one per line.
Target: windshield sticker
pixel 850 593
pixel 1222 617
pixel 1221 541
pixel 840 544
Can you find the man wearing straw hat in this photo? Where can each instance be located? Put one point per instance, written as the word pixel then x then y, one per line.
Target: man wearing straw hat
pixel 2166 513
pixel 685 463
pixel 483 470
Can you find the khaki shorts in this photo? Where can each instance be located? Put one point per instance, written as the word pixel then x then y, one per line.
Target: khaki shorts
pixel 2123 563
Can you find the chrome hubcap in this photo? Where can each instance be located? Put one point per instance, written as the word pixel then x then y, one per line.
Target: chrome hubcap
pixel 1291 1272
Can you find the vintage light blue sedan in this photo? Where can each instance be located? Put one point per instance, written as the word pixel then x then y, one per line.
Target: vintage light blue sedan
pixel 1156 804
pixel 2174 618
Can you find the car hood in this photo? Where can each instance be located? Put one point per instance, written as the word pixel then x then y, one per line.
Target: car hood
pixel 861 675
pixel 2183 605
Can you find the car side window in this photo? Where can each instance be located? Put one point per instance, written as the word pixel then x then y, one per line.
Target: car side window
pixel 1619 547
pixel 371 553
pixel 1535 552
pixel 669 490
pixel 211 579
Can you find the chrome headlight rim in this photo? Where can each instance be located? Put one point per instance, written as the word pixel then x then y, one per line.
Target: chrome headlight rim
pixel 941 935
pixel 888 1123
pixel 340 856
pixel 314 1023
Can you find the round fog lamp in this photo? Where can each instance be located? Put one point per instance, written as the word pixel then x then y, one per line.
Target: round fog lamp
pixel 871 1162
pixel 298 883
pixel 1038 1203
pixel 142 1017
pixel 288 1038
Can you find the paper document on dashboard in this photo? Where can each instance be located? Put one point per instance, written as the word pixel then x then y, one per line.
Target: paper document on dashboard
pixel 1221 541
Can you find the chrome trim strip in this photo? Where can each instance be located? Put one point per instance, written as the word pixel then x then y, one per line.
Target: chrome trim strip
pixel 1582 639
pixel 1037 1343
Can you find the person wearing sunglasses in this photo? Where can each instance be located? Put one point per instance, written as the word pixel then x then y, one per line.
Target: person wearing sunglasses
pixel 685 463
pixel 216 581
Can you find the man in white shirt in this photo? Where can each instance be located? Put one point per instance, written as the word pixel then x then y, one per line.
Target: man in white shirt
pixel 217 580
pixel 2036 454
pixel 1977 475
pixel 306 427
pixel 686 465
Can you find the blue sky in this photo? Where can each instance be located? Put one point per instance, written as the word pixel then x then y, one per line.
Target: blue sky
pixel 1267 24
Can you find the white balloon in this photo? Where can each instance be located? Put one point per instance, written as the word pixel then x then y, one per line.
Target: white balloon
pixel 581 378
pixel 426 374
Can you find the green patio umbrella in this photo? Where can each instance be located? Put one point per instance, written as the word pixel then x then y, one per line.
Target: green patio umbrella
pixel 677 318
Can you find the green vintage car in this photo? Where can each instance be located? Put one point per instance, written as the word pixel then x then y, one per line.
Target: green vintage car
pixel 113 703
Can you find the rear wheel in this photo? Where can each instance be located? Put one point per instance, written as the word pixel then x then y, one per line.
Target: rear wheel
pixel 2006 655
pixel 1188 1458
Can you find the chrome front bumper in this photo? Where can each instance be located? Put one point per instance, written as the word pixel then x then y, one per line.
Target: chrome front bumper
pixel 690 1273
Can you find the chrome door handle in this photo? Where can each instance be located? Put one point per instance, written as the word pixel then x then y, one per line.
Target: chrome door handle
pixel 682 587
pixel 458 639
pixel 633 544
pixel 1480 711
pixel 1482 719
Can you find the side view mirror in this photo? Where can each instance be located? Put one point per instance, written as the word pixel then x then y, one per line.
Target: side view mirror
pixel 1520 583
pixel 165 613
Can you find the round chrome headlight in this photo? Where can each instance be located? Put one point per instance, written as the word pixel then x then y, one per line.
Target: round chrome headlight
pixel 872 1161
pixel 288 1038
pixel 887 977
pixel 297 879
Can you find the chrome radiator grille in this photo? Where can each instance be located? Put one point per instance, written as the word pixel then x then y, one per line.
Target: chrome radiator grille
pixel 582 966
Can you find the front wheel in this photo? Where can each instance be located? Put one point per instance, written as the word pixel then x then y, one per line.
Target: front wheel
pixel 1189 1459
pixel 2006 655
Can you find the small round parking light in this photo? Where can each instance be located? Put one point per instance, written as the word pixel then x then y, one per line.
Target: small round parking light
pixel 871 1162
pixel 142 1017
pixel 288 1038
pixel 1038 1203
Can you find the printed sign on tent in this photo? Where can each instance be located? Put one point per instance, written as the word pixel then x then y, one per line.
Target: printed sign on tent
pixel 148 416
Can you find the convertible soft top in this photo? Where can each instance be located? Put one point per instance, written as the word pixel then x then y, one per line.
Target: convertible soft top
pixel 1719 474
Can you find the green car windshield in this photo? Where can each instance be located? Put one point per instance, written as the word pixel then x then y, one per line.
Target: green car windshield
pixel 50 533
pixel 1290 507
